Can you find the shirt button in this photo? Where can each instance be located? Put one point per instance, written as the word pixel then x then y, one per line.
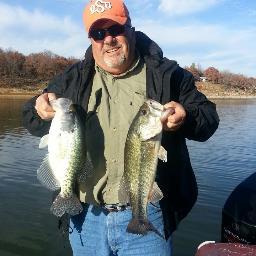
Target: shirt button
pixel 114 129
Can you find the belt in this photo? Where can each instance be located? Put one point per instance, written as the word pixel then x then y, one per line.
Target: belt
pixel 115 207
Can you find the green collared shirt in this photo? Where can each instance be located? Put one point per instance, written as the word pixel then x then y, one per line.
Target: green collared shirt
pixel 114 102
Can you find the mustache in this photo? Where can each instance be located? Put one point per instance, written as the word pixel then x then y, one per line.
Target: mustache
pixel 111 46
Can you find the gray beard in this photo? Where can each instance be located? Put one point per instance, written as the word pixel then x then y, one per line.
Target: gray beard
pixel 115 63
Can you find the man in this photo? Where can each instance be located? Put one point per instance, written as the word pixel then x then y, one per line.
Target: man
pixel 121 68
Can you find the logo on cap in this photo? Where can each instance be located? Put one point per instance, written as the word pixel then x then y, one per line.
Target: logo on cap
pixel 100 6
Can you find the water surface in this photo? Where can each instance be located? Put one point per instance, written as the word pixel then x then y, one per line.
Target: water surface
pixel 220 164
pixel 28 228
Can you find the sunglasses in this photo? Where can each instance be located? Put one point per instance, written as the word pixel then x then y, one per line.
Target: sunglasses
pixel 100 34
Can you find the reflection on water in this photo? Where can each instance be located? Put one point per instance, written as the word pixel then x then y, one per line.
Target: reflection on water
pixel 220 164
pixel 28 228
pixel 10 113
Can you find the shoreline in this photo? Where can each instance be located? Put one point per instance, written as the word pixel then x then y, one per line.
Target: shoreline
pixel 17 95
pixel 212 97
pixel 210 91
pixel 232 97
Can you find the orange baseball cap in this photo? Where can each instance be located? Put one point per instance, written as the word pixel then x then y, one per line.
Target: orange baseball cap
pixel 105 9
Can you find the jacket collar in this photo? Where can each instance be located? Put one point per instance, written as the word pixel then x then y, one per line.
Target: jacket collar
pixel 149 50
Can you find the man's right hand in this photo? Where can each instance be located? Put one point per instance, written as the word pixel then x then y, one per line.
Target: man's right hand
pixel 43 107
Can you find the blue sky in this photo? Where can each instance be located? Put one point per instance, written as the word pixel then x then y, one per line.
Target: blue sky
pixel 219 33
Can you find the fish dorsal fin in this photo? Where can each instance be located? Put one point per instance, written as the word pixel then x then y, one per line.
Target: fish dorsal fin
pixel 46 176
pixel 44 141
pixel 162 154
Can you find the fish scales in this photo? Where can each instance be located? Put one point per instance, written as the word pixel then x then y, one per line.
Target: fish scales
pixel 65 159
pixel 147 174
pixel 75 162
pixel 141 157
pixel 132 151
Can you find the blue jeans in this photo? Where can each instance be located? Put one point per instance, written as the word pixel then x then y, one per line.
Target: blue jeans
pixel 96 232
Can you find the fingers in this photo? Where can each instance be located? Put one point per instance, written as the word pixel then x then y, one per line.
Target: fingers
pixel 51 96
pixel 43 107
pixel 167 113
pixel 171 104
pixel 173 120
pixel 172 125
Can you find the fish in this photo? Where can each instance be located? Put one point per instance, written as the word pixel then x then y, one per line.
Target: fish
pixel 141 153
pixel 66 157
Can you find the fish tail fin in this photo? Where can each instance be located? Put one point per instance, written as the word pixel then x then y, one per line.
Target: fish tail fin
pixel 141 226
pixel 70 205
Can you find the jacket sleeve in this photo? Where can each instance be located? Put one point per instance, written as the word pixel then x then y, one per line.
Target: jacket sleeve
pixel 202 119
pixel 31 120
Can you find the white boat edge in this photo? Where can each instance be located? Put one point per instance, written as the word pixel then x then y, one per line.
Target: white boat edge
pixel 204 243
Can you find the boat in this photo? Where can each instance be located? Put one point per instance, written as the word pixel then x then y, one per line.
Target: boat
pixel 225 249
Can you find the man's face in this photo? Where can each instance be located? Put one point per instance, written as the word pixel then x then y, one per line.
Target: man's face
pixel 114 54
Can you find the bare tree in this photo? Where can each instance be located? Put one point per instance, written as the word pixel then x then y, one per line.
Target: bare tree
pixel 212 74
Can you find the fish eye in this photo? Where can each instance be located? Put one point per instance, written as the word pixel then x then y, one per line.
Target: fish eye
pixel 144 112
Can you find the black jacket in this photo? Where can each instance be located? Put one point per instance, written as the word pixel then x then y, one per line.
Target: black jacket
pixel 165 82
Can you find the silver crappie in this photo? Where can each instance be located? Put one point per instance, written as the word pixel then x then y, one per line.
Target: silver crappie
pixel 65 158
pixel 142 149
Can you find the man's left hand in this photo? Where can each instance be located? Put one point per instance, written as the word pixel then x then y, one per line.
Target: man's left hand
pixel 173 120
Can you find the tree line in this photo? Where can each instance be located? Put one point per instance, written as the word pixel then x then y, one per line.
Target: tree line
pixel 36 66
pixel 226 78
pixel 45 65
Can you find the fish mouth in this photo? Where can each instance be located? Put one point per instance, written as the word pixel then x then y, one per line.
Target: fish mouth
pixel 155 107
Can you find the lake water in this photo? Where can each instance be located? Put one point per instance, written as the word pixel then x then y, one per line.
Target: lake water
pixel 220 164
